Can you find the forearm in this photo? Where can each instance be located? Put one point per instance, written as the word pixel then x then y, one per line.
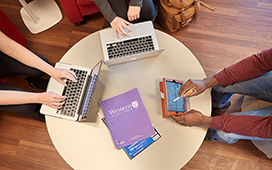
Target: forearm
pixel 244 125
pixel 17 97
pixel 245 69
pixel 22 54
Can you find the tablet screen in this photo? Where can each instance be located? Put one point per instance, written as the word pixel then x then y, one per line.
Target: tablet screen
pixel 172 93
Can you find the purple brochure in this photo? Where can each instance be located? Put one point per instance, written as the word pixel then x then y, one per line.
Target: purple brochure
pixel 127 118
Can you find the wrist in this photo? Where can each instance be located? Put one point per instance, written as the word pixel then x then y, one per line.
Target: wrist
pixel 207 121
pixel 51 70
pixel 40 97
pixel 210 81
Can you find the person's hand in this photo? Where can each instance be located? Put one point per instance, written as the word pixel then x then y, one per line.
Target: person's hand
pixel 118 25
pixel 190 84
pixel 52 99
pixel 61 74
pixel 193 118
pixel 198 86
pixel 133 13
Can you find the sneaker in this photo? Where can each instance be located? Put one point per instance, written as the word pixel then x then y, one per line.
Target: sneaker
pixel 37 116
pixel 209 135
pixel 37 83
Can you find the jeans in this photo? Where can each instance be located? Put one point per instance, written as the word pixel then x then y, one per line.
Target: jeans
pixel 259 87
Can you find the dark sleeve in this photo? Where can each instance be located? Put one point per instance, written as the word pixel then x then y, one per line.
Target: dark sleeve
pixel 244 125
pixel 105 9
pixel 245 69
pixel 136 3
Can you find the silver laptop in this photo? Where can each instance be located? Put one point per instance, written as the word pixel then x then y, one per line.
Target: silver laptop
pixel 140 43
pixel 79 94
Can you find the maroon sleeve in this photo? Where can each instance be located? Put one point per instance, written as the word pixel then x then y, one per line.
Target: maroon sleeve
pixel 245 69
pixel 244 125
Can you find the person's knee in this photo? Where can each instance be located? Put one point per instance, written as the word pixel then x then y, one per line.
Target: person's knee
pixel 148 15
pixel 148 11
pixel 219 97
pixel 224 137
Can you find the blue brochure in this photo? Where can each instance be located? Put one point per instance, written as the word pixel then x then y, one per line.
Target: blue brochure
pixel 137 147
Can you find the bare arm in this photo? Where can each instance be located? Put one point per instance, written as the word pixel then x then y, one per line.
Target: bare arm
pixel 17 97
pixel 22 54
pixel 8 97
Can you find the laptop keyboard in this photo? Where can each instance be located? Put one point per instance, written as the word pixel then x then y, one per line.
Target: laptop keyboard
pixel 130 47
pixel 73 92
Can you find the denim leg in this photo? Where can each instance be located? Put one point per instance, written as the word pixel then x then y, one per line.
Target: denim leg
pixel 219 135
pixel 259 87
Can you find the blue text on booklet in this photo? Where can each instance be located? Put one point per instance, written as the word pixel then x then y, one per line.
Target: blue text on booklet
pixel 137 147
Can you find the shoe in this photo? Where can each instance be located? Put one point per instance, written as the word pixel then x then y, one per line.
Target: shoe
pixel 37 83
pixel 209 134
pixel 218 112
pixel 37 116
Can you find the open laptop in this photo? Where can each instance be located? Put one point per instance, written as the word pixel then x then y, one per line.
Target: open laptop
pixel 79 94
pixel 140 43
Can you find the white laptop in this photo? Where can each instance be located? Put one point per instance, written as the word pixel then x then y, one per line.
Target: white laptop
pixel 79 94
pixel 140 43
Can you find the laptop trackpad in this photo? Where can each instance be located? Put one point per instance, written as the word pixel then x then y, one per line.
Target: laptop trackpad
pixel 132 33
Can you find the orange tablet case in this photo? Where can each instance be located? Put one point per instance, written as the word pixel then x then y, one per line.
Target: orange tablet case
pixel 164 103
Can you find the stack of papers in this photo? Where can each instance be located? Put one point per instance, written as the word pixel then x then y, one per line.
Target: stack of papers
pixel 128 122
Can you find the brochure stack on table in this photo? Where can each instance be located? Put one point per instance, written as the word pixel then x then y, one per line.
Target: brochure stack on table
pixel 128 122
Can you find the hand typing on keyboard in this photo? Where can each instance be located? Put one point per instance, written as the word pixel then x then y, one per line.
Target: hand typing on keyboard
pixel 52 99
pixel 61 74
pixel 120 26
pixel 73 92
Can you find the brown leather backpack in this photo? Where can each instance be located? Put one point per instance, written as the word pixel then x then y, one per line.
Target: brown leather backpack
pixel 175 14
